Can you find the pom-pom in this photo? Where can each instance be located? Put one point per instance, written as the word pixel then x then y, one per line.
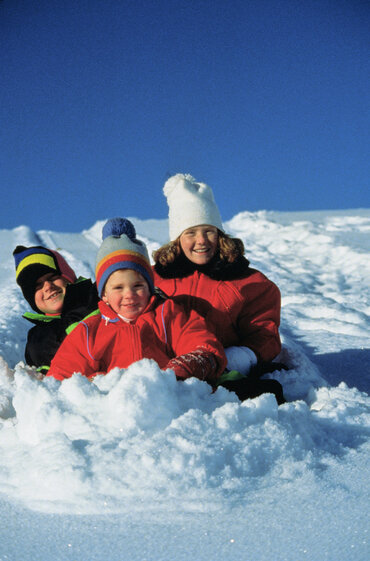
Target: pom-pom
pixel 183 184
pixel 117 226
pixel 19 249
pixel 184 180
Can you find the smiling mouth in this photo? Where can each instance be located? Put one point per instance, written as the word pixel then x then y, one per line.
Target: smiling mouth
pixel 54 295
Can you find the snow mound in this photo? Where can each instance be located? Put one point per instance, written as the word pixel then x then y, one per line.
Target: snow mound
pixel 139 439
pixel 137 452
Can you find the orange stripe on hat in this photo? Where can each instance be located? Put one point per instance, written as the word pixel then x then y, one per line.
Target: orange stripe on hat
pixel 121 255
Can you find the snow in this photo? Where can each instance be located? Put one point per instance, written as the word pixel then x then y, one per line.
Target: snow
pixel 138 466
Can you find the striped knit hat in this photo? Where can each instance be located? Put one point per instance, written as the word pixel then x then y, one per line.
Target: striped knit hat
pixel 31 263
pixel 121 250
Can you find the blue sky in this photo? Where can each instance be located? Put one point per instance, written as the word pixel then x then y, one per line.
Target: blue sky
pixel 266 101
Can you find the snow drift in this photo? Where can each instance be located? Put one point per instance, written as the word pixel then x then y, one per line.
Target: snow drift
pixel 137 441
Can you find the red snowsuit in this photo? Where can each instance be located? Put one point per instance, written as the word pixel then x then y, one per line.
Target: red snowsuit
pixel 162 332
pixel 240 311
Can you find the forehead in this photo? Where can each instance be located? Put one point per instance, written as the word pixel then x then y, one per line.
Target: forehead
pixel 47 276
pixel 200 227
pixel 125 275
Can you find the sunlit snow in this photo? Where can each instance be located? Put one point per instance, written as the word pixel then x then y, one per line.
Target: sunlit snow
pixel 136 465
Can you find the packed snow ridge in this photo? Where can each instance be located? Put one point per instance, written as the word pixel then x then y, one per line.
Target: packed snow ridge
pixel 137 439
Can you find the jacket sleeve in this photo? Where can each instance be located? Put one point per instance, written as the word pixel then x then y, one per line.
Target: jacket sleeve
pixel 43 342
pixel 74 355
pixel 187 332
pixel 259 318
pixel 80 300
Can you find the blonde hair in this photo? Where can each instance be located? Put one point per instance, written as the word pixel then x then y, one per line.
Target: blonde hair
pixel 229 249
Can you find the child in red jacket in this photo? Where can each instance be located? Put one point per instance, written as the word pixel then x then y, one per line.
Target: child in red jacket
pixel 203 268
pixel 135 320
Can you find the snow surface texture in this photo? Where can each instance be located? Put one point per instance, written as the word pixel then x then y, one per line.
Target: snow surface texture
pixel 138 466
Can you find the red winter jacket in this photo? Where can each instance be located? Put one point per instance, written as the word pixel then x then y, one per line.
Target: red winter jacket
pixel 162 332
pixel 240 304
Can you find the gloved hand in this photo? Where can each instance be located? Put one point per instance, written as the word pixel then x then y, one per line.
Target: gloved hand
pixel 262 368
pixel 199 363
pixel 248 388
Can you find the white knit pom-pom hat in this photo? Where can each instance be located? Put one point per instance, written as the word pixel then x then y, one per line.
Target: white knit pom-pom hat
pixel 189 204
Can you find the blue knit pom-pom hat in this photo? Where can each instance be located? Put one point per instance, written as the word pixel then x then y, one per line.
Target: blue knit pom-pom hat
pixel 121 250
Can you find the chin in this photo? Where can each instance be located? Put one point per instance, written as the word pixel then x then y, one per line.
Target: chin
pixel 130 315
pixel 201 260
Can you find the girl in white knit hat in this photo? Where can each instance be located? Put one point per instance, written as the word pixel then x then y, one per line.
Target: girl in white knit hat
pixel 205 269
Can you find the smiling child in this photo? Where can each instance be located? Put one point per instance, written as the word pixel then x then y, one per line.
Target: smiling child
pixel 136 321
pixel 58 299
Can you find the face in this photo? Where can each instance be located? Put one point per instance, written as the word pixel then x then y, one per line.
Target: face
pixel 49 293
pixel 199 243
pixel 127 293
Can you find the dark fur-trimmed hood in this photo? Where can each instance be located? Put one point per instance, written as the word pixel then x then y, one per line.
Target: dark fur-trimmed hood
pixel 216 269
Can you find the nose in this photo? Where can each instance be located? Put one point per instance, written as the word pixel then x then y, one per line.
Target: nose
pixel 128 292
pixel 201 239
pixel 48 285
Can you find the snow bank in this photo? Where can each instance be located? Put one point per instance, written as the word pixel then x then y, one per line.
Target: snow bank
pixel 139 439
pixel 137 452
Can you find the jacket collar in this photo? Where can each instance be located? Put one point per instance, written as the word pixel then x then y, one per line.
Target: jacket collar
pixel 216 269
pixel 36 318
